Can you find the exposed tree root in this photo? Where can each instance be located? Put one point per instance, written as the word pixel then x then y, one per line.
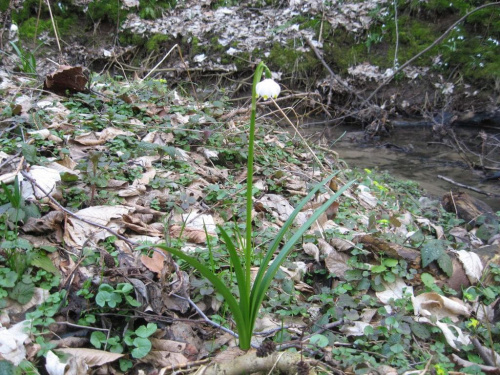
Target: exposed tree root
pixel 249 363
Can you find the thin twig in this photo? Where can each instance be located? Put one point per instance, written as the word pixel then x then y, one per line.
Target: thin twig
pixel 55 29
pixel 161 61
pixel 300 135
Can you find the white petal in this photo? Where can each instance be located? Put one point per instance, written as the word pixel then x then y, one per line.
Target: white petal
pixel 268 89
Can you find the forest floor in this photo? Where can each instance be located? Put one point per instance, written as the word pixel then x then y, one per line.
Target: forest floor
pixel 385 281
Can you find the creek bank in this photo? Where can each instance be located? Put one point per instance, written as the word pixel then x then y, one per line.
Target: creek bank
pixel 411 153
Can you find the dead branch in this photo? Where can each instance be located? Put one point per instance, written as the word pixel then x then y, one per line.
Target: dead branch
pixel 332 74
pixel 467 186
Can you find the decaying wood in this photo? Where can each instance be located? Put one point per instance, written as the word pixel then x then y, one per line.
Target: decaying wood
pixel 393 250
pixel 466 207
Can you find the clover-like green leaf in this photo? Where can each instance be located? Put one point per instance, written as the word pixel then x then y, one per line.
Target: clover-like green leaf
pixel 142 347
pixel 146 331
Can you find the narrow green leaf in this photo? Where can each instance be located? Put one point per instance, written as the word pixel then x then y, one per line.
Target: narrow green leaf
pixel 239 272
pixel 284 229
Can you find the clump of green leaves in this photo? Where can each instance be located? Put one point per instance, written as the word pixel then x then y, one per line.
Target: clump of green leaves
pixel 16 209
pixel 27 61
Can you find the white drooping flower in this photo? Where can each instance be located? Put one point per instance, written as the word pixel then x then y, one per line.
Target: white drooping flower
pixel 268 89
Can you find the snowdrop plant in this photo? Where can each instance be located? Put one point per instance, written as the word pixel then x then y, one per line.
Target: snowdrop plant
pixel 245 310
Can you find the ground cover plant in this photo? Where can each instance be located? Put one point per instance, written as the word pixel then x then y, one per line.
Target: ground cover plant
pixel 379 280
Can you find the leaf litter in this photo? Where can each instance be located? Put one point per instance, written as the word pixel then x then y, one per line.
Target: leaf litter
pixel 375 269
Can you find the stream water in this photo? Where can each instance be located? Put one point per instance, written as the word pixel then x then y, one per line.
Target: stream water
pixel 410 153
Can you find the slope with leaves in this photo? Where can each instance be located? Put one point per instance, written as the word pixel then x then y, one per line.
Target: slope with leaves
pixel 384 278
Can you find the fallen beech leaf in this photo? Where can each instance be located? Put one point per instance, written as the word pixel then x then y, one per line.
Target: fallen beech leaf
pixel 12 342
pixel 341 245
pixel 48 223
pixel 366 199
pixel 155 263
pixel 193 220
pixel 99 138
pixel 197 236
pixel 336 263
pixel 54 365
pixel 311 250
pixel 92 357
pixel 45 177
pixel 77 232
pixel 428 304
pixel 472 265
pixel 395 290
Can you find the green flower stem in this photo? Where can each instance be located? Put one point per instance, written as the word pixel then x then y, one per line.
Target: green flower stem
pixel 248 243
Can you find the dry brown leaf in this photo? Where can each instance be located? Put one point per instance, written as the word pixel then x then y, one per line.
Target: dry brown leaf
pixel 428 304
pixel 138 226
pixel 324 247
pixel 92 357
pixel 46 179
pixel 311 250
pixel 48 223
pixel 168 345
pixel 132 191
pixel 155 263
pixel 163 358
pixel 336 263
pixel 99 138
pixel 213 175
pixel 341 245
pixel 77 232
pixel 159 138
pixel 197 236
